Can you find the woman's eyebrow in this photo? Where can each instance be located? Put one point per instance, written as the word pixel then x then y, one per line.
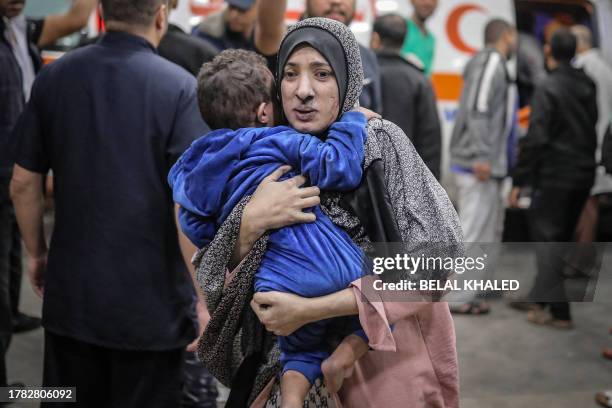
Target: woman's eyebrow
pixel 319 64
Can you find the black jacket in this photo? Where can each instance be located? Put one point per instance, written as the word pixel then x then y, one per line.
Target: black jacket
pixel 184 50
pixel 559 149
pixel 606 150
pixel 12 100
pixel 408 101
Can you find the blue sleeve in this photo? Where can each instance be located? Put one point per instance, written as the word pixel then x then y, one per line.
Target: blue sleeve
pixel 336 163
pixel 199 230
pixel 361 333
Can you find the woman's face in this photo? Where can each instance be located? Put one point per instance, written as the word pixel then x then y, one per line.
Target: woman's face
pixel 309 89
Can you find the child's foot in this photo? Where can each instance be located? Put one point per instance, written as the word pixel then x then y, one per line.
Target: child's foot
pixel 334 372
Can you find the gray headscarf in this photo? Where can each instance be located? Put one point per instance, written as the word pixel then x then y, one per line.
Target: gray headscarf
pixel 336 42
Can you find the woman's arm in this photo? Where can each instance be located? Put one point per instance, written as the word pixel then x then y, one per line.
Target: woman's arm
pixel 273 205
pixel 59 25
pixel 284 313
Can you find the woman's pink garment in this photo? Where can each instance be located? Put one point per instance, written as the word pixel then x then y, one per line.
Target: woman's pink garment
pixel 414 366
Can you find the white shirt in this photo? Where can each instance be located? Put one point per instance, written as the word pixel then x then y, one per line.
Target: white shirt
pixel 17 36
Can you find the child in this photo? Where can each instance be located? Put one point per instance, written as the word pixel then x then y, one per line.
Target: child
pixel 218 170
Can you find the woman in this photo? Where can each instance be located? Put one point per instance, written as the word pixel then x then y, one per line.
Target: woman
pixel 415 364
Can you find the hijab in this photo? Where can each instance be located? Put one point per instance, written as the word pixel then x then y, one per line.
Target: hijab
pixel 337 44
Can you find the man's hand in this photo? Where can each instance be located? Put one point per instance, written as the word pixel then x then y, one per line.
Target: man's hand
pixel 270 25
pixel 28 200
pixel 203 319
pixel 368 113
pixel 513 200
pixel 36 272
pixel 281 313
pixel 60 25
pixel 482 171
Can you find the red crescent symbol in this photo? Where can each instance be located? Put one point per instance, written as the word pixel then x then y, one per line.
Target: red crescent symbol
pixel 452 27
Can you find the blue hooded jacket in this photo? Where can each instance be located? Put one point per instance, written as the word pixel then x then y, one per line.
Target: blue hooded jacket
pixel 222 167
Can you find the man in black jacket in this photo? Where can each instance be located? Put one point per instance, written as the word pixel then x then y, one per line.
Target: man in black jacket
pixel 183 49
pixel 110 119
pixel 558 160
pixel 408 99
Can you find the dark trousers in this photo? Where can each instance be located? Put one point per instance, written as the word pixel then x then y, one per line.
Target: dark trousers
pixel 108 378
pixel 553 217
pixel 8 234
pixel 200 390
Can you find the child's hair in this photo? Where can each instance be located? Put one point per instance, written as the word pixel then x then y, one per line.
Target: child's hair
pixel 232 86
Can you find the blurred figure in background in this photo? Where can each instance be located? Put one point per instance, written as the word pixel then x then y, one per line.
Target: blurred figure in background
pixel 482 145
pixel 187 51
pixel 531 68
pixel 20 40
pixel 232 27
pixel 407 95
pixel 420 42
pixel 557 159
pixel 597 68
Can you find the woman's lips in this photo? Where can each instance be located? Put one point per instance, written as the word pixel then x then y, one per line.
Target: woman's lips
pixel 305 115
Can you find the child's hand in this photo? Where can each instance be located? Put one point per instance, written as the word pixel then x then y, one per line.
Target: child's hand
pixel 368 113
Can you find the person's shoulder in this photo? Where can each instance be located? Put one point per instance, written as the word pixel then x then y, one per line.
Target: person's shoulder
pixel 170 73
pixel 182 40
pixel 75 55
pixel 384 126
pixel 594 61
pixel 399 66
pixel 212 26
pixel 72 60
pixel 549 85
pixel 415 64
pixel 367 55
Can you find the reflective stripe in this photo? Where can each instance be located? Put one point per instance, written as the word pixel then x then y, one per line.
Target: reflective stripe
pixel 482 94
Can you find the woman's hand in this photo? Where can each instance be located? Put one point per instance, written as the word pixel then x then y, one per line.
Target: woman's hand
pixel 284 313
pixel 368 113
pixel 275 204
pixel 281 313
pixel 279 204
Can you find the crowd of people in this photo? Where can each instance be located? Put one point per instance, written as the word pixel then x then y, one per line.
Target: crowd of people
pixel 194 237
